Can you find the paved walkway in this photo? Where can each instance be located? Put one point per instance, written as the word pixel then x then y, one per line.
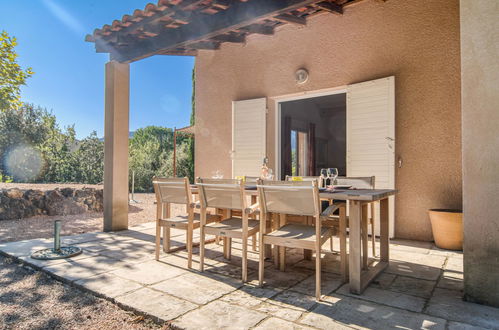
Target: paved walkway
pixel 421 289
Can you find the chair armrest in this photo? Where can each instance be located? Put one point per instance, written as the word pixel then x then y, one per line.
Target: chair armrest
pixel 331 208
pixel 252 209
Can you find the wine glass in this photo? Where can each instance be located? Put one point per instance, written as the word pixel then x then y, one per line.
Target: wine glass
pixel 332 173
pixel 270 175
pixel 323 177
pixel 217 175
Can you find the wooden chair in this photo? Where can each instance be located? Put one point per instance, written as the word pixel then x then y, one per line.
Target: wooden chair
pixel 364 183
pixel 296 198
pixel 227 194
pixel 311 178
pixel 249 180
pixel 175 191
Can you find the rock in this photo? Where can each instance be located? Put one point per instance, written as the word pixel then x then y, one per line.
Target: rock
pixel 36 197
pixel 18 204
pixel 85 193
pixel 67 192
pixel 14 193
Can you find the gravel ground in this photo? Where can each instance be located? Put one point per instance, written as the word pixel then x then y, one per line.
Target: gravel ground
pixel 30 299
pixel 42 226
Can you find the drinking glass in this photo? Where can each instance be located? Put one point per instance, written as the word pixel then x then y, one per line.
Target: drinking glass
pixel 332 173
pixel 217 175
pixel 323 177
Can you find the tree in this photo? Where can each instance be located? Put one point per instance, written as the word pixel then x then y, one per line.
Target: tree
pixel 12 76
pixel 22 132
pixel 34 149
pixel 151 154
pixel 90 157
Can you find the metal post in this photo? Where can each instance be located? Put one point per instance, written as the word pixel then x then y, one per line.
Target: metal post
pixel 133 185
pixel 174 152
pixel 57 235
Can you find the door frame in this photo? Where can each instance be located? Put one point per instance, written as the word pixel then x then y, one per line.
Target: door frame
pixel 294 97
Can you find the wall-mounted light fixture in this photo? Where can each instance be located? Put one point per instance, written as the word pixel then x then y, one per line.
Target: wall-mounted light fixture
pixel 301 76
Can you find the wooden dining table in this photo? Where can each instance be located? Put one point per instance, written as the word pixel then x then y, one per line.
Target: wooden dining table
pixel 359 271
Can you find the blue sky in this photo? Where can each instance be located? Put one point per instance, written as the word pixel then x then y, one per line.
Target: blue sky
pixel 69 74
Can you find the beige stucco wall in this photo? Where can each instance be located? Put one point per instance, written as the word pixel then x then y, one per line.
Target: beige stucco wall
pixel 416 41
pixel 480 97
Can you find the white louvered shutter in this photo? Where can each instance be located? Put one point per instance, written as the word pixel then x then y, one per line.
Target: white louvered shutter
pixel 371 135
pixel 248 136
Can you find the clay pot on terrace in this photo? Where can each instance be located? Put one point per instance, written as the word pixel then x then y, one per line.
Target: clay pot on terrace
pixel 447 227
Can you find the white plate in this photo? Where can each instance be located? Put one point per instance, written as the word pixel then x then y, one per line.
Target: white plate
pixel 342 186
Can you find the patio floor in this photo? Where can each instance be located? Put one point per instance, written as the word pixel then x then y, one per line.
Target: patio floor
pixel 422 288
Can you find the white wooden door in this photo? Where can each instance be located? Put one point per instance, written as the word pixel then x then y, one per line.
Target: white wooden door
pixel 371 135
pixel 248 136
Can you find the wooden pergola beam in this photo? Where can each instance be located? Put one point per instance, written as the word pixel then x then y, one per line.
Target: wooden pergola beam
pixel 287 18
pixel 204 26
pixel 235 38
pixel 330 7
pixel 209 45
pixel 259 29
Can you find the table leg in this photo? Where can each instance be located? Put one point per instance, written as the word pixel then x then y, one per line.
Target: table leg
pixel 365 253
pixel 224 239
pixel 343 244
pixel 268 228
pixel 282 249
pixel 384 236
pixel 355 247
pixel 275 248
pixel 307 253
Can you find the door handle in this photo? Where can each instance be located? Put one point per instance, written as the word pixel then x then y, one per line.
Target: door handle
pixel 390 138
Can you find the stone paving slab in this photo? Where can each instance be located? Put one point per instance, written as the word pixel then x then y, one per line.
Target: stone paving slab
pixel 294 300
pixel 106 285
pixel 329 283
pixel 36 263
pixel 250 295
pixel 161 306
pixel 149 272
pixel 449 304
pixel 461 326
pixel 220 315
pixel 338 311
pixel 25 248
pixel 274 323
pixel 280 311
pixel 73 270
pixel 387 297
pixel 199 288
pixel 413 286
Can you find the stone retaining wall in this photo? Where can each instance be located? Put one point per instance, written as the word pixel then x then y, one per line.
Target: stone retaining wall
pixel 17 204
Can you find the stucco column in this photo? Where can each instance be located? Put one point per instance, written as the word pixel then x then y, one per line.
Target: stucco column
pixel 116 146
pixel 480 114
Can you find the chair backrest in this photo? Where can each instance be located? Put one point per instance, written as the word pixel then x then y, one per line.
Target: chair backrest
pixel 302 178
pixel 289 197
pixel 221 193
pixel 357 182
pixel 172 190
pixel 251 179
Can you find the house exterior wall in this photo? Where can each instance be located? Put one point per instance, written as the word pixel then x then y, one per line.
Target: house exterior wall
pixel 416 41
pixel 480 98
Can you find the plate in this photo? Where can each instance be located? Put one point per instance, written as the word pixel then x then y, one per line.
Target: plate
pixel 342 186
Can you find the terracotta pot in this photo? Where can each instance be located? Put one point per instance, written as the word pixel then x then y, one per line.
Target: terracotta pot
pixel 447 227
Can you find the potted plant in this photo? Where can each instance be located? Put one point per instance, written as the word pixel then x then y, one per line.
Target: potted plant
pixel 447 227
